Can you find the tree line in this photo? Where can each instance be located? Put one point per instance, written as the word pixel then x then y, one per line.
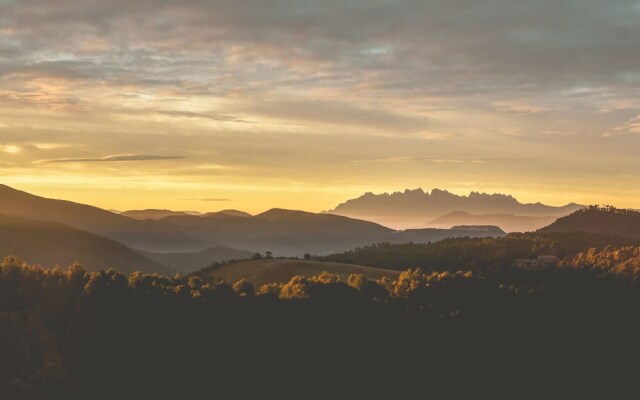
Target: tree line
pixel 72 334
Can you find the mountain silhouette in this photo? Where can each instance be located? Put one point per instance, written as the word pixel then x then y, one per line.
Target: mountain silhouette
pixel 415 208
pixel 283 232
pixel 235 213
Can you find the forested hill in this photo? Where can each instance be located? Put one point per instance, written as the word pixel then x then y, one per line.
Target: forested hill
pixel 601 220
pixel 482 255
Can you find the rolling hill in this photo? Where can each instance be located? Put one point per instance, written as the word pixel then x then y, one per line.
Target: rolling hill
pixel 600 220
pixel 411 208
pixel 52 243
pixel 146 234
pixel 260 272
pixel 283 232
pixel 190 262
pixel 508 222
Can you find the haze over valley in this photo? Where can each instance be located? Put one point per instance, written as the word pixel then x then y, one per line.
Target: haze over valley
pixel 185 242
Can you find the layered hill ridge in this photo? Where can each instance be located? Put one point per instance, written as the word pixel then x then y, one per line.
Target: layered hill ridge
pixel 140 234
pixel 415 208
pixel 52 243
pixel 283 232
pixel 158 214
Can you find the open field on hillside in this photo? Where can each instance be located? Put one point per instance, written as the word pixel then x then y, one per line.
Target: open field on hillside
pixel 260 272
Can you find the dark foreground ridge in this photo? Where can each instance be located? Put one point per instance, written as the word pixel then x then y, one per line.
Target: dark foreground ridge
pixel 69 334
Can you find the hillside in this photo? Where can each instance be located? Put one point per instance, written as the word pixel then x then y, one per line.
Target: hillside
pixel 52 243
pixel 190 262
pixel 600 220
pixel 284 232
pixel 146 235
pixel 260 272
pixel 412 208
pixel 508 222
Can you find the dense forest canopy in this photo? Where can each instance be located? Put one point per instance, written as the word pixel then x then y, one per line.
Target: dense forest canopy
pixel 68 333
pixel 605 220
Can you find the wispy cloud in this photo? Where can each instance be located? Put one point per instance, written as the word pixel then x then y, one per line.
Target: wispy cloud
pixel 394 160
pixel 211 116
pixel 633 125
pixel 11 149
pixel 437 136
pixel 113 158
pixel 558 133
pixel 519 107
pixel 630 126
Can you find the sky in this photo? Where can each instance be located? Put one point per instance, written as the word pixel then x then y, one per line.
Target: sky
pixel 303 104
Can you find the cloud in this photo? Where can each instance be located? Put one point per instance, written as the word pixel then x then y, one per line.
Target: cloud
pixel 558 133
pixel 630 126
pixel 436 135
pixel 633 125
pixel 519 107
pixel 395 160
pixel 339 113
pixel 323 83
pixel 516 49
pixel 9 148
pixel 113 158
pixel 212 116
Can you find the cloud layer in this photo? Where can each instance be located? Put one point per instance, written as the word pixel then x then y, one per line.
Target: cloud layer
pixel 281 96
pixel 120 157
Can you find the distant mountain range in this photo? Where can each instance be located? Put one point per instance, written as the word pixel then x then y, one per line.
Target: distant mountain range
pixel 417 208
pixel 156 214
pixel 283 232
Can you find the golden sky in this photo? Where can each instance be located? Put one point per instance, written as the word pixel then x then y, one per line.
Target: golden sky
pixel 208 105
